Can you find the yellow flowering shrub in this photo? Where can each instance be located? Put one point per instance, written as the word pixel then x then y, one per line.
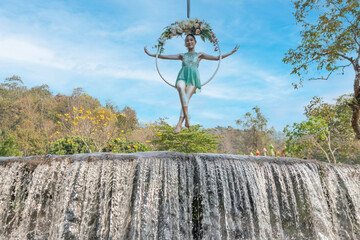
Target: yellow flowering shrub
pixel 98 124
pixel 121 145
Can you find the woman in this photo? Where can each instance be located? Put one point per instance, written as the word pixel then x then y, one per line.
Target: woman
pixel 188 78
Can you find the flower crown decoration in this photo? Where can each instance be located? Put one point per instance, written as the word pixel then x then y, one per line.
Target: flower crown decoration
pixel 185 27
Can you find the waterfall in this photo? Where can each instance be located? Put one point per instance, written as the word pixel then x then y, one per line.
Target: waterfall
pixel 168 195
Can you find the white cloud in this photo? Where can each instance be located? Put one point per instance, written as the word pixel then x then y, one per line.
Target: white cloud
pixel 28 52
pixel 246 82
pixel 21 50
pixel 210 114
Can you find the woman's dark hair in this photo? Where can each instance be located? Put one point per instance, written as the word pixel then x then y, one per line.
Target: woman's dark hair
pixel 190 34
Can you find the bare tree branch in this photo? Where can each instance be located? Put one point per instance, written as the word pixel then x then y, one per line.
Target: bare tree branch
pixel 331 72
pixel 345 57
pixel 321 148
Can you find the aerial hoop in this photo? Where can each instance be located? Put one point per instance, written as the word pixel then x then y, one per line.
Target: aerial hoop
pixel 189 26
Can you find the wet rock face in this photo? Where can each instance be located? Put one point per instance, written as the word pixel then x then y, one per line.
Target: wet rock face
pixel 164 195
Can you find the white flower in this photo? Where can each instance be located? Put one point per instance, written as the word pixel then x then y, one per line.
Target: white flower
pixel 173 31
pixel 182 24
pixel 183 27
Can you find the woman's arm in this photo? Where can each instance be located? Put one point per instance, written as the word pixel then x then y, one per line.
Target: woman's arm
pixel 170 57
pixel 211 57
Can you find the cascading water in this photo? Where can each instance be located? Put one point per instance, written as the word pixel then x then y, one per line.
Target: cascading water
pixel 165 195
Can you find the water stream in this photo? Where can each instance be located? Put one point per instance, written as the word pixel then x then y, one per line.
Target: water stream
pixel 164 195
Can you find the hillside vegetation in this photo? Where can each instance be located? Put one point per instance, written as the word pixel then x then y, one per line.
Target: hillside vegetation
pixel 34 121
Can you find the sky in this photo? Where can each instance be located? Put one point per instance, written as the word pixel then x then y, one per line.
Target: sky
pixel 98 45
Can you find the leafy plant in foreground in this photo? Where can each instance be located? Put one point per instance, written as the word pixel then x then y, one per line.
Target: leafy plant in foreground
pixel 72 145
pixel 192 140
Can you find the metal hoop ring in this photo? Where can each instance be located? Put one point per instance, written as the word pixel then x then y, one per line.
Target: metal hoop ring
pixel 217 68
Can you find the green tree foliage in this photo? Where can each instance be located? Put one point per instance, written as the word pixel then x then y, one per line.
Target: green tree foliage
pixel 314 131
pixel 8 146
pixel 72 145
pixel 192 140
pixel 10 91
pixel 32 139
pixel 326 134
pixel 330 42
pixel 33 116
pixel 121 145
pixel 256 135
pixel 25 115
pixel 128 120
pixel 336 115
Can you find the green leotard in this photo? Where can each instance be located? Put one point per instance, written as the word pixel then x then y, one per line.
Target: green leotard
pixel 189 71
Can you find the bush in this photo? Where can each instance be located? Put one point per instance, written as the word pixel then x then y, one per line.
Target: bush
pixel 192 140
pixel 120 145
pixel 72 145
pixel 9 147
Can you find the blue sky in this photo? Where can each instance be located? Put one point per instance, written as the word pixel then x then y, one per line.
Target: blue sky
pixel 98 46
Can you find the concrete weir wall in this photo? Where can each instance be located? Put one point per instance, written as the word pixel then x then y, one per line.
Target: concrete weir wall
pixel 168 195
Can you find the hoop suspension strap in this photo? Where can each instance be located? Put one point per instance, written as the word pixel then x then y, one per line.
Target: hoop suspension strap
pixel 188 8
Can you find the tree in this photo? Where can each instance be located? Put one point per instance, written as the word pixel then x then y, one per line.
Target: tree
pixel 192 140
pixel 127 121
pixel 330 42
pixel 24 113
pixel 257 133
pixel 326 133
pixel 10 91
pixel 32 140
pixel 336 116
pixel 97 124
pixel 231 139
pixel 8 145
pixel 13 83
pixel 314 130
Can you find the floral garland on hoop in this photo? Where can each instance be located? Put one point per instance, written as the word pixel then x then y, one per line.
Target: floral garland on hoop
pixel 188 26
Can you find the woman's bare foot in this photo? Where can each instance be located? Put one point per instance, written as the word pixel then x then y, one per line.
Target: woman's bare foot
pixel 177 129
pixel 178 126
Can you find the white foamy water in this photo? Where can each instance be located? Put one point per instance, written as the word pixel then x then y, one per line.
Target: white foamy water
pixel 164 195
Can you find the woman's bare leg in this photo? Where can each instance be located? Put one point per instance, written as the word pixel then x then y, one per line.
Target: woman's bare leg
pixel 189 91
pixel 181 87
